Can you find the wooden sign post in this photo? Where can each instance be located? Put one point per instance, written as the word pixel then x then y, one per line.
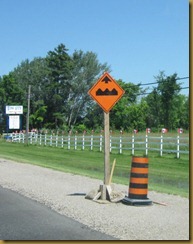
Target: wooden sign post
pixel 106 92
pixel 106 149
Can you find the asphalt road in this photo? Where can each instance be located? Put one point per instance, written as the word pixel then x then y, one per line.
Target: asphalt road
pixel 24 219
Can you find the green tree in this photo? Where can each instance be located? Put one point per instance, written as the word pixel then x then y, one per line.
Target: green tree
pixel 124 114
pixel 32 73
pixel 10 94
pixel 168 90
pixel 37 118
pixel 94 119
pixel 181 102
pixel 58 84
pixel 153 113
pixel 86 70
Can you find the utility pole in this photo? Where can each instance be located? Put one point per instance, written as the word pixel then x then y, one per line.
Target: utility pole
pixel 28 113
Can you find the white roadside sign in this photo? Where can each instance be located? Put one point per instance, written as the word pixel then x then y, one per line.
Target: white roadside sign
pixel 14 122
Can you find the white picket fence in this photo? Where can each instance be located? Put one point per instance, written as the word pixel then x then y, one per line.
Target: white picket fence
pixel 162 144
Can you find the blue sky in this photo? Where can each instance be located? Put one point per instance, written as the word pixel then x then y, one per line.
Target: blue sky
pixel 137 38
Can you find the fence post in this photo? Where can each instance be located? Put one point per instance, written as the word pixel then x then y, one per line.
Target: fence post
pixel 83 142
pixel 110 143
pixel 178 146
pixel 12 138
pixel 31 140
pixel 56 140
pixel 36 138
pixel 40 139
pixel 75 142
pixel 146 145
pixel 161 146
pixel 45 139
pixel 120 144
pixel 23 138
pixel 62 141
pixel 101 142
pixel 68 141
pixel 133 144
pixel 50 140
pixel 91 142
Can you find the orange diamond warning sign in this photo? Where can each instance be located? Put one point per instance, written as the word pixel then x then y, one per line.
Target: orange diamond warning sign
pixel 106 92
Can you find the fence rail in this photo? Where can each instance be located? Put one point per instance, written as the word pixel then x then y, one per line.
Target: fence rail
pixel 162 144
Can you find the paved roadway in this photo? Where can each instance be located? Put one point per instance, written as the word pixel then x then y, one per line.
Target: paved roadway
pixel 24 219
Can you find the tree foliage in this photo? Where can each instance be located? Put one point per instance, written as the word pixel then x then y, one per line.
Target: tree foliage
pixel 59 95
pixel 165 104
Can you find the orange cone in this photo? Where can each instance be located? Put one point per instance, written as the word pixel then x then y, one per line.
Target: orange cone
pixel 138 187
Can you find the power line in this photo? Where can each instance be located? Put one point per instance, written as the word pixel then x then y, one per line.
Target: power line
pixel 146 84
pixel 183 78
pixel 147 93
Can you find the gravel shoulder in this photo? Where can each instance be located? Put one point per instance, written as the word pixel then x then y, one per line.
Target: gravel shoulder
pixel 65 193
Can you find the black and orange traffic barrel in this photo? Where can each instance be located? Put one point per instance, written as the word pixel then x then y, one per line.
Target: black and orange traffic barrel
pixel 138 187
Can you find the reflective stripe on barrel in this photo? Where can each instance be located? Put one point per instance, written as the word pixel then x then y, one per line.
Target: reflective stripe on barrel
pixel 138 187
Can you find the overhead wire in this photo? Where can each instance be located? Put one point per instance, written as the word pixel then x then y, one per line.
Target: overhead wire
pixel 146 84
pixel 152 83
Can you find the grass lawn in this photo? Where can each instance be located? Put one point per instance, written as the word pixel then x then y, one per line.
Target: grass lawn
pixel 166 174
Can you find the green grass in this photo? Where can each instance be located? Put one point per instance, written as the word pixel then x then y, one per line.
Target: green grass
pixel 166 174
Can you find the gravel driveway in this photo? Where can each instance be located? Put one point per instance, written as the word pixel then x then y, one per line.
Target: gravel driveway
pixel 65 193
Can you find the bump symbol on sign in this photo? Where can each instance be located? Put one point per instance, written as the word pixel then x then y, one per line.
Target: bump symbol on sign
pixel 106 92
